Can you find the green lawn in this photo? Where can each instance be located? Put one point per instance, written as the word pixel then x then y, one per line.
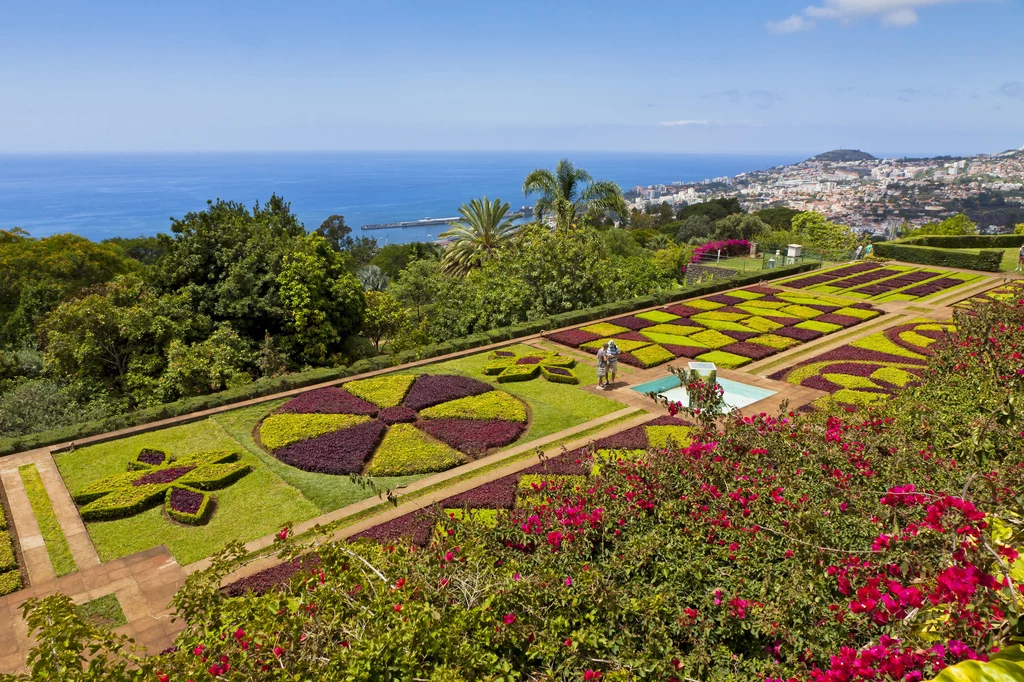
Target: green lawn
pixel 49 527
pixel 254 506
pixel 1009 263
pixel 104 612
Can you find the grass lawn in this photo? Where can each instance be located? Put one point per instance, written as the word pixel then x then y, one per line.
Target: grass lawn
pixel 252 507
pixel 49 527
pixel 1009 263
pixel 553 406
pixel 104 612
pixel 327 492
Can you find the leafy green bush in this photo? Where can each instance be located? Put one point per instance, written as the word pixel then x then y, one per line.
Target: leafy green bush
pixel 559 378
pixel 7 560
pixel 967 241
pixel 518 373
pixel 987 260
pixel 10 582
pixel 280 430
pixel 406 450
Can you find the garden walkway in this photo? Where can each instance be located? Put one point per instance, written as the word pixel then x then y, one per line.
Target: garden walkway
pixel 146 582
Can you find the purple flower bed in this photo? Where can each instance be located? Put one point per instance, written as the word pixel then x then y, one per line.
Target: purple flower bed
pixel 787 321
pixel 340 452
pixel 893 334
pixel 574 338
pixel 632 336
pixel 152 457
pixel 685 322
pixel 529 360
pixel 271 578
pixel 741 336
pixel 849 353
pixel 823 308
pixel 754 351
pixel 851 368
pixel 504 354
pixel 932 287
pixel 725 299
pixel 841 320
pixel 798 334
pixel 863 305
pixel 766 291
pixel 415 527
pixel 630 439
pixel 397 415
pixel 560 371
pixel 328 400
pixel 814 280
pixel 634 323
pixel 867 278
pixel 185 501
pixel 574 463
pixel 499 494
pixel 434 389
pixel 732 309
pixel 821 384
pixel 163 476
pixel 681 310
pixel 472 436
pixel 684 351
pixel 668 421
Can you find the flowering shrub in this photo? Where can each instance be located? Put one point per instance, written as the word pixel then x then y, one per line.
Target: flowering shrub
pixel 406 450
pixel 730 247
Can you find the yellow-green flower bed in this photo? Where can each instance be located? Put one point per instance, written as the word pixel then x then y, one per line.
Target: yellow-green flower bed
pixel 280 430
pixel 386 391
pixel 604 329
pixel 723 359
pixel 406 450
pixel 493 405
pixel 652 356
pixel 657 316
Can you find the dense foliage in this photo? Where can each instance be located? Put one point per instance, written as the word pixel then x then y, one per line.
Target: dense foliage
pixel 869 545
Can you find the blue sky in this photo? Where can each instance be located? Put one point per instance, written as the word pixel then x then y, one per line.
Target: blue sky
pixel 888 76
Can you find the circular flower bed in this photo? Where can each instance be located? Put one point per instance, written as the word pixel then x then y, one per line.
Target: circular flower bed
pixel 395 425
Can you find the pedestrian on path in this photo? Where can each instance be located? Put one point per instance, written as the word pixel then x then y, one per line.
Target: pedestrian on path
pixel 856 254
pixel 602 367
pixel 613 361
pixel 1020 258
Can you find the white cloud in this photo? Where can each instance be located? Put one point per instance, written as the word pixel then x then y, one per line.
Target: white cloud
pixel 793 24
pixel 895 13
pixel 684 122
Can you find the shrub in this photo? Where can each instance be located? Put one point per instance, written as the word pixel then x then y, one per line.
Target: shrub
pixel 985 260
pixel 634 323
pixel 214 476
pixel 754 351
pixel 472 436
pixel 519 372
pixel 385 391
pixel 10 582
pixel 280 430
pixel 723 359
pixel 559 375
pixel 147 458
pixel 858 313
pixel 495 367
pixel 188 506
pixel 432 389
pixel 604 329
pixel 492 405
pixel 650 356
pixel 123 502
pixel 7 560
pixel 341 452
pixel 406 451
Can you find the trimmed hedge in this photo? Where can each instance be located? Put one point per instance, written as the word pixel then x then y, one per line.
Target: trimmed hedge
pixel 967 241
pixel 270 386
pixel 197 518
pixel 986 260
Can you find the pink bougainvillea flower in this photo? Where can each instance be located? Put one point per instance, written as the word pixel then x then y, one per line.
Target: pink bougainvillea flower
pixel 509 618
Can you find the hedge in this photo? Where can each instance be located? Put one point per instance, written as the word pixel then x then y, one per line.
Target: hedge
pixel 967 241
pixel 987 260
pixel 270 386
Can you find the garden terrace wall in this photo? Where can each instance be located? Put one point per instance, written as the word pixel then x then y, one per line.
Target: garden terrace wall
pixel 986 260
pixel 263 388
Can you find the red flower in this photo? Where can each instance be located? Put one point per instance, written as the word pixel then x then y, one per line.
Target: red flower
pixel 278 651
pixel 591 675
pixel 510 618
pixel 282 534
pixel 398 607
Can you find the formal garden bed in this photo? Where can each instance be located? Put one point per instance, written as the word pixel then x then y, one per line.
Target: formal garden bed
pixel 1005 293
pixel 881 282
pixel 10 571
pixel 833 546
pixel 731 329
pixel 871 369
pixel 459 414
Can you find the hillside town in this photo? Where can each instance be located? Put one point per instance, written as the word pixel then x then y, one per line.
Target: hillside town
pixel 871 194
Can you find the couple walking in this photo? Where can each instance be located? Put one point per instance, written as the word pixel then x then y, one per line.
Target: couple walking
pixel 607 364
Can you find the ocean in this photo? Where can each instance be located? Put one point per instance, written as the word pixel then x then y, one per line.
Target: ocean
pixel 126 195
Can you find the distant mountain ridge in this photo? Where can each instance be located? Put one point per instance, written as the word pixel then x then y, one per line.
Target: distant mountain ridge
pixel 844 156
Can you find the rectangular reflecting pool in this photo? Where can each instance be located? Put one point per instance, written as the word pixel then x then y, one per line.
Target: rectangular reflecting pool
pixel 737 395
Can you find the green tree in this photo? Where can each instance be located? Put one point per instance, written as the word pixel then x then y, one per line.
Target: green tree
pixel 693 227
pixel 393 258
pixel 418 286
pixel 482 231
pixel 713 210
pixel 740 226
pixel 816 232
pixel 959 224
pixel 385 318
pixel 322 302
pixel 221 361
pixel 146 250
pixel 569 192
pixel 780 218
pixel 669 261
pixel 336 232
pixel 115 338
pixel 1019 229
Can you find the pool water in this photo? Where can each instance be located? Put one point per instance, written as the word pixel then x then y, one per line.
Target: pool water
pixel 737 395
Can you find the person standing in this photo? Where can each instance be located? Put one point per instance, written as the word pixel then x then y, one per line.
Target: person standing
pixel 613 361
pixel 602 367
pixel 856 254
pixel 1020 258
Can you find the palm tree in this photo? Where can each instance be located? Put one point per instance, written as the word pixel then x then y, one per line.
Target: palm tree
pixel 482 230
pixel 569 192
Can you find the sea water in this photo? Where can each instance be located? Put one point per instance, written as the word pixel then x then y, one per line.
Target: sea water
pixel 127 195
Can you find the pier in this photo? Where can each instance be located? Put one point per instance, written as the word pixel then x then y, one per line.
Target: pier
pixel 427 222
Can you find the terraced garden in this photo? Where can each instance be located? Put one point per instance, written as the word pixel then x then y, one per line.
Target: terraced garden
pixel 881 282
pixel 730 330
